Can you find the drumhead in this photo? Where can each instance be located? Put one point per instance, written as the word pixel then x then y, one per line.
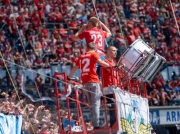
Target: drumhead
pixel 141 46
pixel 141 61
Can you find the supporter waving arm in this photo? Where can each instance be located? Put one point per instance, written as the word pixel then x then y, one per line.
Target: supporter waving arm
pixel 37 111
pixel 79 32
pixel 106 29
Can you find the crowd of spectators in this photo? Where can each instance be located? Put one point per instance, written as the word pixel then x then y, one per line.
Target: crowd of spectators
pixel 38 33
pixel 37 118
pixel 164 93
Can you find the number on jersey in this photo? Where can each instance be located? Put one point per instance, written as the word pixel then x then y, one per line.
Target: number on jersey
pixel 86 63
pixel 97 38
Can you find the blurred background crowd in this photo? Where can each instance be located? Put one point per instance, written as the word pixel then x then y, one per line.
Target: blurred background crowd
pixel 38 34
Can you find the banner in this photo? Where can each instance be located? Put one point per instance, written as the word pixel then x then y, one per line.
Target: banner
pixel 133 113
pixel 165 116
pixel 10 124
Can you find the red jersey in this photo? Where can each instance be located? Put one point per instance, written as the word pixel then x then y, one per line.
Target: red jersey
pixel 107 75
pixel 87 63
pixel 95 35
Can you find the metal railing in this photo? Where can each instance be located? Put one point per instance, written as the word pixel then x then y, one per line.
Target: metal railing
pixel 31 73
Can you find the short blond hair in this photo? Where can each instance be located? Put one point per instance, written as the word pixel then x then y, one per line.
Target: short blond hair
pixel 110 47
pixel 94 21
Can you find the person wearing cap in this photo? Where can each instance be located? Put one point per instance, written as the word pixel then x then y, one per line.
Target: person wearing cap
pixel 87 64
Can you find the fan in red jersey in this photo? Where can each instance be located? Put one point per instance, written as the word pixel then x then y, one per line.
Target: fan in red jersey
pixel 87 64
pixel 108 84
pixel 92 33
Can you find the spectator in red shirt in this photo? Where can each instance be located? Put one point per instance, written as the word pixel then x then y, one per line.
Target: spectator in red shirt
pixel 158 83
pixel 60 50
pixel 164 97
pixel 75 57
pixel 146 32
pixel 108 85
pixel 155 97
pixel 68 46
pixel 137 31
pixel 133 7
pixel 2 16
pixel 130 37
pixel 91 33
pixel 71 35
pixel 44 32
pixel 51 15
pixel 62 31
pixel 41 14
pixel 36 21
pixel 160 35
pixel 13 29
pixel 46 63
pixel 18 79
pixel 74 23
pixel 18 57
pixel 87 63
pixel 55 33
pixel 38 62
pixel 55 16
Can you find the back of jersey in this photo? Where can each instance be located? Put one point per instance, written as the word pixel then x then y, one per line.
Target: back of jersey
pixel 98 36
pixel 95 35
pixel 87 63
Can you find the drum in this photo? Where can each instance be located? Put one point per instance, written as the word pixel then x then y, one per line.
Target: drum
pixel 135 57
pixel 153 67
pixel 141 61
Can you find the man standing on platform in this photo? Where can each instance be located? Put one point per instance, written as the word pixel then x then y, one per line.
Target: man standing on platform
pixel 87 64
pixel 108 84
pixel 95 31
pixel 92 33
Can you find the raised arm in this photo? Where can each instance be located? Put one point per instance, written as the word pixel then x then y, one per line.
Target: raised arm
pixel 79 32
pixel 106 29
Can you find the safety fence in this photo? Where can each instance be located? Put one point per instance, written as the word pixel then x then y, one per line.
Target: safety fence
pixel 31 73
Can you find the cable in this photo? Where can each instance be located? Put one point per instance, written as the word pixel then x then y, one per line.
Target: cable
pixel 15 22
pixel 174 17
pixel 98 18
pixel 120 24
pixel 16 26
pixel 13 83
pixel 117 17
pixel 68 83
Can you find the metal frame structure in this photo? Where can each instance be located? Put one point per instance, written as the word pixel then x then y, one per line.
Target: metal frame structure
pixel 125 82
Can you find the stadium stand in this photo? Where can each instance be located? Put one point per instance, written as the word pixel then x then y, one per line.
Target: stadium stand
pixel 39 35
